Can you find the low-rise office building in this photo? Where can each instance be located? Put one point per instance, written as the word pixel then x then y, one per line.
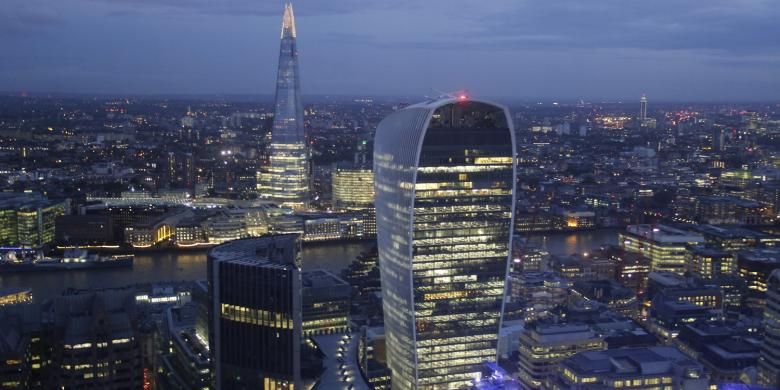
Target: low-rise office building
pixel 666 247
pixel 544 346
pixel 326 300
pixel 634 368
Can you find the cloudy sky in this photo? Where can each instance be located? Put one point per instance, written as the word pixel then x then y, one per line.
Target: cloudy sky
pixel 557 49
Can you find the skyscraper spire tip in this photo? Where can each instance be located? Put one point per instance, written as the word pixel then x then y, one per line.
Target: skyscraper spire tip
pixel 288 21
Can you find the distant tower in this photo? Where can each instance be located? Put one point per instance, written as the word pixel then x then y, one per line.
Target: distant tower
pixel 289 155
pixel 718 138
pixel 642 109
pixel 444 182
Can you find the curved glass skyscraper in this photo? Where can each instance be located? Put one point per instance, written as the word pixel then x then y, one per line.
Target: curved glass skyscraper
pixel 288 173
pixel 444 180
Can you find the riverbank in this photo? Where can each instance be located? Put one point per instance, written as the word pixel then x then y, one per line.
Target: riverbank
pixel 172 266
pixel 129 249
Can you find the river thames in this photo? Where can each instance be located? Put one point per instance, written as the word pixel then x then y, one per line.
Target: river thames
pixel 160 267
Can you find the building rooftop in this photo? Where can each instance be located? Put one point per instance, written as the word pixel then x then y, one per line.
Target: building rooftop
pixel 729 200
pixel 23 200
pixel 630 361
pixel 14 290
pixel 82 329
pixel 667 278
pixel 727 232
pixel 181 324
pixel 763 255
pixel 560 333
pixel 708 251
pixel 274 250
pixel 664 234
pixel 320 278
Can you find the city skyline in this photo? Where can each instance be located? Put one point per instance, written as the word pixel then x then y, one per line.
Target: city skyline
pixel 350 240
pixel 561 51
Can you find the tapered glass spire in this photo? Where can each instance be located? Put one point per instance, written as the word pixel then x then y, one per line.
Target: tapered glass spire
pixel 288 174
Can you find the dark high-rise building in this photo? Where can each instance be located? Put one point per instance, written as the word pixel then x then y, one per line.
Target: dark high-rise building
pixel 255 313
pixel 444 204
pixel 643 109
pixel 95 342
pixel 288 173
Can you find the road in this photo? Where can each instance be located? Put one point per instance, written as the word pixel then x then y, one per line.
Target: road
pixel 341 366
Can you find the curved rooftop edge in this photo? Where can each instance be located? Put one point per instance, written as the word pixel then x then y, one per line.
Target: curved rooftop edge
pixel 435 103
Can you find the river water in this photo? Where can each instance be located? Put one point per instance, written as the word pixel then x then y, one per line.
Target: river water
pixel 162 267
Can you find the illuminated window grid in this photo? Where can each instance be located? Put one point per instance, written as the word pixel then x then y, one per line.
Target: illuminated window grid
pixel 252 316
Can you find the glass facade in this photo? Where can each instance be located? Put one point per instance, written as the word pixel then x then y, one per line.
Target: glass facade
pixel 288 172
pixel 445 196
pixel 28 221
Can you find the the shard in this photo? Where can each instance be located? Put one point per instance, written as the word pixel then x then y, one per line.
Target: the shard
pixel 288 171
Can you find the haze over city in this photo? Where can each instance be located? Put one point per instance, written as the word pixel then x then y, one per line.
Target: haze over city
pixel 611 50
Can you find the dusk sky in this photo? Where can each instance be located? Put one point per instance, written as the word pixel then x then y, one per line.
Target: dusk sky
pixel 562 49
